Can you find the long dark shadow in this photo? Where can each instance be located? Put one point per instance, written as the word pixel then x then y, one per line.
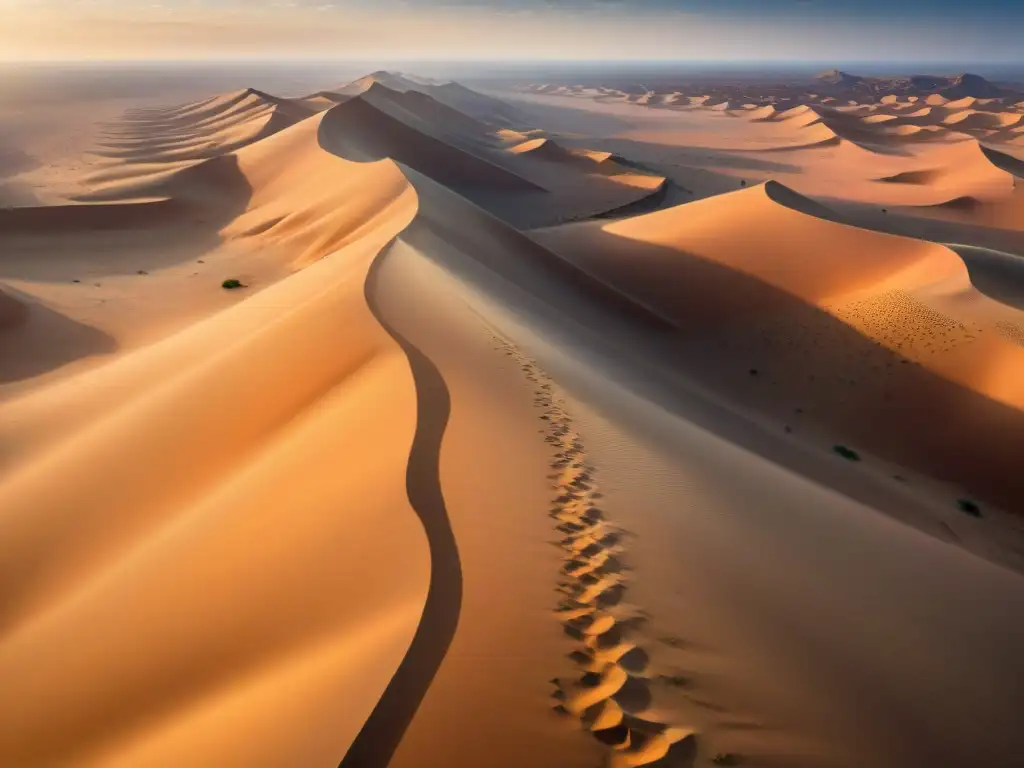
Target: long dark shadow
pixel 383 731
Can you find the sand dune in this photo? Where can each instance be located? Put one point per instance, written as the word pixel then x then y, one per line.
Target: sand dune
pixel 965 103
pixel 321 100
pixel 12 312
pixel 762 113
pixel 672 258
pixel 359 130
pixel 997 275
pixel 774 208
pixel 969 119
pixel 877 119
pixel 113 517
pixel 966 165
pixel 426 110
pixel 203 130
pixel 396 493
pixel 549 149
pixel 964 173
pixel 451 94
pixel 392 80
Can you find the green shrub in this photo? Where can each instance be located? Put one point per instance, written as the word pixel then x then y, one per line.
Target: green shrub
pixel 232 284
pixel 969 507
pixel 847 453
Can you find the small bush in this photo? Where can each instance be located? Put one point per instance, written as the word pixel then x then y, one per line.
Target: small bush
pixel 847 453
pixel 725 758
pixel 231 284
pixel 969 507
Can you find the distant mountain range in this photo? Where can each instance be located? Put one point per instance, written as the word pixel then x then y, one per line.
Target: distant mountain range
pixel 953 87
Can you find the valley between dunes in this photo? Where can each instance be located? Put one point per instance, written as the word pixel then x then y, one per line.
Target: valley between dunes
pixel 400 424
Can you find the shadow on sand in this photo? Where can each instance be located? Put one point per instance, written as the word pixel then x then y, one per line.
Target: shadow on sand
pixel 384 729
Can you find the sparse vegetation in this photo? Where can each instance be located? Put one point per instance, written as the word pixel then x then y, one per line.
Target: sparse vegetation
pixel 847 453
pixel 231 284
pixel 677 681
pixel 969 507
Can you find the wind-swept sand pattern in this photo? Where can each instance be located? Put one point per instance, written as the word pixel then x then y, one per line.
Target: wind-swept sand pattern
pixel 396 425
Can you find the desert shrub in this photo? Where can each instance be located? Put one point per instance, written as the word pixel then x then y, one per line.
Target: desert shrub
pixel 232 284
pixel 969 507
pixel 847 453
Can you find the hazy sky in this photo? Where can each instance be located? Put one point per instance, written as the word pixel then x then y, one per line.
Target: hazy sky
pixel 819 30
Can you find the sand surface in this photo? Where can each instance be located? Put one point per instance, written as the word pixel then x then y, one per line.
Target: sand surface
pixel 564 426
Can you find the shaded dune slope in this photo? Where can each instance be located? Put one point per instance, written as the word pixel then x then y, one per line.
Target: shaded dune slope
pixel 421 108
pixel 360 131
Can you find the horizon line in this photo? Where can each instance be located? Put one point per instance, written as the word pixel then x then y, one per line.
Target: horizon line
pixel 832 63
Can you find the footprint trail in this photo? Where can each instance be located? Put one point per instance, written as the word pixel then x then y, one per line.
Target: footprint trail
pixel 612 696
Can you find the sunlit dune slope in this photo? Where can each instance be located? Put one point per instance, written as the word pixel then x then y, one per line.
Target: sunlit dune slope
pixel 855 327
pixel 209 461
pixel 965 168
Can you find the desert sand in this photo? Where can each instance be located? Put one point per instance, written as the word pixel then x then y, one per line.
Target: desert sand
pixel 398 423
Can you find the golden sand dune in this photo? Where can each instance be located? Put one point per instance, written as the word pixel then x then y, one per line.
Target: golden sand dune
pixel 877 119
pixel 393 80
pixel 606 165
pixel 967 163
pixel 964 103
pixel 205 130
pixel 774 209
pixel 395 493
pixel 256 382
pixel 321 100
pixel 670 259
pixel 969 119
pixel 549 149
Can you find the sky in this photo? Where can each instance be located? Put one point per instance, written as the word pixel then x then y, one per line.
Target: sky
pixel 608 30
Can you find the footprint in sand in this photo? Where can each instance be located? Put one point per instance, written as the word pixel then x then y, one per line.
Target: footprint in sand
pixel 613 692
